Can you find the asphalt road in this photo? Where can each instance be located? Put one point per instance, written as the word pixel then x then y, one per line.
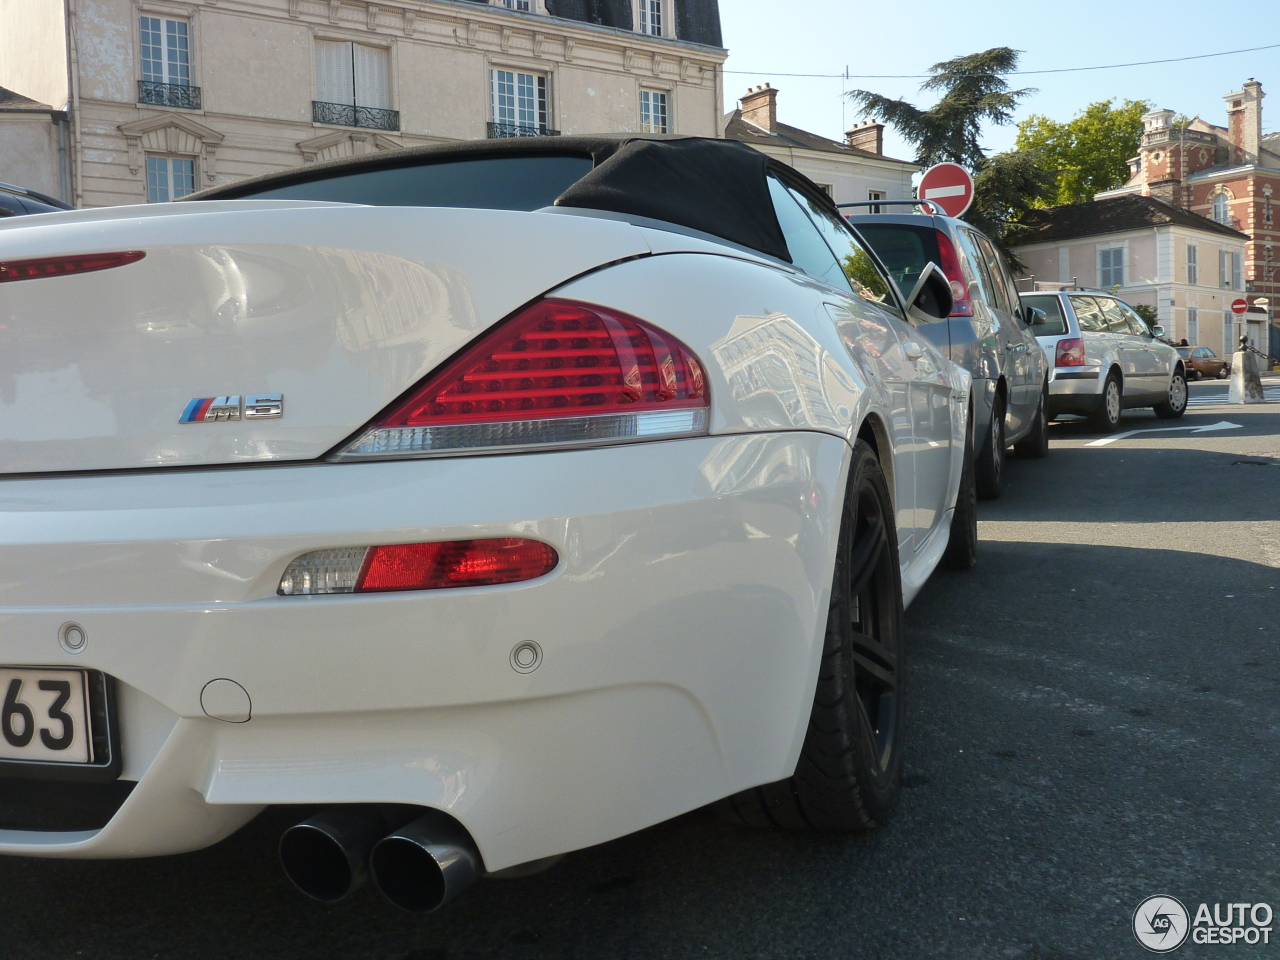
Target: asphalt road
pixel 1094 719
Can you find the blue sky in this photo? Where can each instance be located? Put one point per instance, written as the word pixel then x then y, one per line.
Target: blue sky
pixel 891 37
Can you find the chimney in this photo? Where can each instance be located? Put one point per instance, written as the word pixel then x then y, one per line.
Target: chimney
pixel 867 136
pixel 760 107
pixel 1244 120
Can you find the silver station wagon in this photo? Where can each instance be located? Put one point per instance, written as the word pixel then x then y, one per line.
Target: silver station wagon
pixel 1103 358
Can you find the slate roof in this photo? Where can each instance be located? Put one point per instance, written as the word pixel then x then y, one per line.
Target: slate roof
pixel 697 21
pixel 788 136
pixel 10 100
pixel 1111 215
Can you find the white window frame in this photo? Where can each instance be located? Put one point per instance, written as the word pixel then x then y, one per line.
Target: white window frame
pixel 646 15
pixel 359 97
pixel 1221 209
pixel 167 162
pixel 876 195
pixel 1193 264
pixel 1124 264
pixel 650 100
pixel 179 74
pixel 536 95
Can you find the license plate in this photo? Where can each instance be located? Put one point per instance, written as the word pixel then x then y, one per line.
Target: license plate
pixel 45 715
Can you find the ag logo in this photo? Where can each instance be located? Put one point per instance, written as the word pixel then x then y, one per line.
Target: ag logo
pixel 1161 924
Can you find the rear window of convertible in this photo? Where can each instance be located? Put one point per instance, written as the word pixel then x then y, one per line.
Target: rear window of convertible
pixel 496 183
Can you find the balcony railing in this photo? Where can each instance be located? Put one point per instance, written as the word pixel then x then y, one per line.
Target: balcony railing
pixel 169 94
pixel 347 115
pixel 498 131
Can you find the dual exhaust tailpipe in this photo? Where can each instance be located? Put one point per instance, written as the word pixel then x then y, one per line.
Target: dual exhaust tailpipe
pixel 419 867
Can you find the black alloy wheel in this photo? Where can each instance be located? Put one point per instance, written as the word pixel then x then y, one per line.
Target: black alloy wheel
pixel 1036 443
pixel 990 466
pixel 1107 415
pixel 850 768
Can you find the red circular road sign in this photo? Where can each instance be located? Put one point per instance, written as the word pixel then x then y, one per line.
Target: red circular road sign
pixel 1239 305
pixel 949 185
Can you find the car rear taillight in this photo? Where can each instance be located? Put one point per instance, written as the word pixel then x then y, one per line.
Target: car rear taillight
pixel 65 266
pixel 1070 352
pixel 417 566
pixel 558 373
pixel 960 305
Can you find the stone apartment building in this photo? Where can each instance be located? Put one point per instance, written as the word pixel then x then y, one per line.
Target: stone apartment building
pixel 163 97
pixel 1230 175
pixel 856 170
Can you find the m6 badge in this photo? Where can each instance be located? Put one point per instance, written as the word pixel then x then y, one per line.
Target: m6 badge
pixel 253 406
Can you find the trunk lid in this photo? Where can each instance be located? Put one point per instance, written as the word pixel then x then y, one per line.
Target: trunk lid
pixel 337 308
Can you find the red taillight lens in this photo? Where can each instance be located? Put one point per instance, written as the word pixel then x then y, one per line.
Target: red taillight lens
pixel 559 372
pixel 417 566
pixel 65 266
pixel 1070 353
pixel 960 305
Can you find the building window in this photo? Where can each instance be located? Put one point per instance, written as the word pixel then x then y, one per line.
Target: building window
pixel 169 178
pixel 1111 267
pixel 521 6
pixel 353 86
pixel 519 104
pixel 1229 270
pixel 1193 326
pixel 1228 333
pixel 1193 264
pixel 166 64
pixel 1221 209
pixel 651 17
pixel 875 195
pixel 653 112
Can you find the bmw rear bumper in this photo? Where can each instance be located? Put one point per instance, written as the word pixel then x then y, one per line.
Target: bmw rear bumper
pixel 681 633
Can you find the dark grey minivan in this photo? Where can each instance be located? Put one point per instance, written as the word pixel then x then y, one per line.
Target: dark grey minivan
pixel 990 332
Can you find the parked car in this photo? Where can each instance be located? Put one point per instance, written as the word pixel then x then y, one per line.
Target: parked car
pixel 19 201
pixel 989 332
pixel 1106 359
pixel 1202 362
pixel 501 498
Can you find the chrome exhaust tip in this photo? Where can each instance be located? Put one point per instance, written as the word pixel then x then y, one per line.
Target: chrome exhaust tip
pixel 327 857
pixel 425 864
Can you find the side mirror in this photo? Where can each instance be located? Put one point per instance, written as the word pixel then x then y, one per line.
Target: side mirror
pixel 930 299
pixel 1036 316
pixel 1157 331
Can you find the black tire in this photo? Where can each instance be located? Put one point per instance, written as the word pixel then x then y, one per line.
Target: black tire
pixel 850 768
pixel 962 548
pixel 1107 415
pixel 1036 443
pixel 1197 375
pixel 989 473
pixel 1174 404
pixel 1224 373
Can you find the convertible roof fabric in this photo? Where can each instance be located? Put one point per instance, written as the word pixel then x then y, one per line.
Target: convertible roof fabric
pixel 716 186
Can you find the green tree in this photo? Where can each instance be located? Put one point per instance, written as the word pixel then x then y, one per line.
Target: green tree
pixel 1088 153
pixel 973 92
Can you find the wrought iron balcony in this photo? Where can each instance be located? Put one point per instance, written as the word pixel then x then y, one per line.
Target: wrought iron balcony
pixel 498 131
pixel 169 94
pixel 347 115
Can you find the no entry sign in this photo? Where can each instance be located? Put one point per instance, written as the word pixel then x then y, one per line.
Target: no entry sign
pixel 949 186
pixel 1239 305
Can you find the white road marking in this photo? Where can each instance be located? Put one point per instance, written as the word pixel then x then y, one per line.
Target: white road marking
pixel 1220 425
pixel 959 190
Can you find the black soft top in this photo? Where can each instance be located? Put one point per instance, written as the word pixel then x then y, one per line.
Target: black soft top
pixel 715 186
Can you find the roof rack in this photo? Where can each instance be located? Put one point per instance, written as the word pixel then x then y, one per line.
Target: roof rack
pixel 938 211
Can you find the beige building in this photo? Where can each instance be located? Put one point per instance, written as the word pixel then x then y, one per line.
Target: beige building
pixel 1186 267
pixel 852 171
pixel 165 97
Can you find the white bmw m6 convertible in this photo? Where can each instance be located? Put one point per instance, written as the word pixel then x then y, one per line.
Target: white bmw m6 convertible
pixel 495 500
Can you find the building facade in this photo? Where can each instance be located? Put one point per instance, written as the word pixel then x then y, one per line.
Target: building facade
pixel 170 96
pixel 1229 174
pixel 856 170
pixel 1188 268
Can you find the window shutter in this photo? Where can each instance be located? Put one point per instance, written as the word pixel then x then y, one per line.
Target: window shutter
pixel 1236 283
pixel 373 84
pixel 333 72
pixel 1223 277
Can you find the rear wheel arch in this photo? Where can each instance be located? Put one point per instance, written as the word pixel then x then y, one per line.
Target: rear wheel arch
pixel 876 435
